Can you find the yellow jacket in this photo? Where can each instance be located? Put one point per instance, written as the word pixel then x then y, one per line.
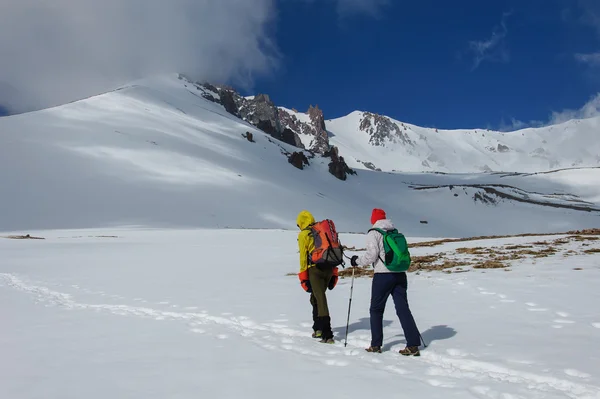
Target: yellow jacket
pixel 306 243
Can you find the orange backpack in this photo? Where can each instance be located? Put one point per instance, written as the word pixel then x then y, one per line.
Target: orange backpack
pixel 328 248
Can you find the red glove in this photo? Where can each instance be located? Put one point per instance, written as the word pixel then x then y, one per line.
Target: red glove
pixel 304 281
pixel 334 279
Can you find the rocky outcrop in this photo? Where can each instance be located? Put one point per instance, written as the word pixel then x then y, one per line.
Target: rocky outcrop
pixel 381 129
pixel 249 136
pixel 338 166
pixel 503 148
pixel 281 124
pixel 298 159
pixel 321 140
pixel 261 112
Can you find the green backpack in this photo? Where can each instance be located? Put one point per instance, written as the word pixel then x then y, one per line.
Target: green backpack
pixel 397 256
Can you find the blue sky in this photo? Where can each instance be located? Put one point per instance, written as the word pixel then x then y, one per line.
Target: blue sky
pixel 448 64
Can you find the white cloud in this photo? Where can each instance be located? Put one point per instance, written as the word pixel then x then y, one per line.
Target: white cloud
pixel 494 49
pixel 589 110
pixel 370 8
pixel 591 59
pixel 56 51
pixel 515 124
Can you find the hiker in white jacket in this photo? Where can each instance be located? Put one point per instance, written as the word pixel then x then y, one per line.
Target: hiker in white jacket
pixel 386 282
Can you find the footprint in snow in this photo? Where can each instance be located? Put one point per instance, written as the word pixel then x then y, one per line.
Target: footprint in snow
pixel 396 370
pixel 520 361
pixel 456 352
pixel 441 384
pixel 352 352
pixel 576 373
pixel 563 321
pixel 338 363
pixel 247 333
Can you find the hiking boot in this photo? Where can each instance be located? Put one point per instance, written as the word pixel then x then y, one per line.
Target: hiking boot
pixel 410 351
pixel 327 341
pixel 317 334
pixel 375 349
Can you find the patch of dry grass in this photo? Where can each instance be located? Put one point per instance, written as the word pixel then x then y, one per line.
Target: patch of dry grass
pixel 358 272
pixel 592 251
pixel 513 247
pixel 489 264
pixel 24 237
pixel 474 251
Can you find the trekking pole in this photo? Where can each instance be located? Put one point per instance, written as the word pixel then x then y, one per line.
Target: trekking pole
pixel 349 305
pixel 424 344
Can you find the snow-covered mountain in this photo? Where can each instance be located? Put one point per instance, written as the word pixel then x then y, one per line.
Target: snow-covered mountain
pixel 171 153
pixel 146 281
pixel 392 145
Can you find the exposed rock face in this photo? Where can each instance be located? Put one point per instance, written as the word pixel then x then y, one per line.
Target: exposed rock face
pixel 298 159
pixel 321 142
pixel 261 112
pixel 338 166
pixel 503 148
pixel 382 129
pixel 249 136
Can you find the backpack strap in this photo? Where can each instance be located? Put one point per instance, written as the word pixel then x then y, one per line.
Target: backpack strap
pixel 382 232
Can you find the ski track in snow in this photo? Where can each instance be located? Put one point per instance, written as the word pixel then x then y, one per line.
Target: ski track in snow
pixel 455 364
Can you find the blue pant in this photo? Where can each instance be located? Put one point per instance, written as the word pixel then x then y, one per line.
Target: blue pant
pixel 395 284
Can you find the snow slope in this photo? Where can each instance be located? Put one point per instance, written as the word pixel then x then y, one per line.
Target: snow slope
pixel 415 149
pixel 155 153
pixel 175 314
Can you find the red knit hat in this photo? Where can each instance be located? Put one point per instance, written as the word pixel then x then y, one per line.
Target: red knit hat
pixel 377 214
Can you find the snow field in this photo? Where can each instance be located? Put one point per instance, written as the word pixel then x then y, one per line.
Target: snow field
pixel 164 312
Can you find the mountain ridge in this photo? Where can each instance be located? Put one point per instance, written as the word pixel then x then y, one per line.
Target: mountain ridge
pixel 408 147
pixel 157 153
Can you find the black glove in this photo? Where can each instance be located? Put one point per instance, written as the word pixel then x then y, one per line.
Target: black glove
pixel 353 260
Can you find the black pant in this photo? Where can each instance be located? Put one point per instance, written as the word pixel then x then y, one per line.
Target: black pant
pixel 319 279
pixel 395 284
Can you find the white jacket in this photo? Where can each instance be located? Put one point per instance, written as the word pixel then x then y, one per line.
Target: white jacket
pixel 375 249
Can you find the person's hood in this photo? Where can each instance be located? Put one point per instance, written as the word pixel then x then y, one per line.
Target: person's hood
pixel 304 220
pixel 384 224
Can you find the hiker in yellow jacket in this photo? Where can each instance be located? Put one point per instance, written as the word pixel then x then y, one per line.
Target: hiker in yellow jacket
pixel 315 280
